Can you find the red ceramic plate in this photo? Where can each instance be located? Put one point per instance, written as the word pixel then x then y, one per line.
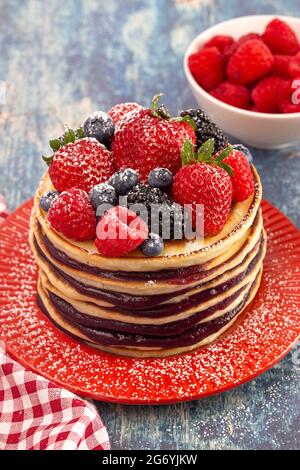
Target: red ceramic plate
pixel 264 333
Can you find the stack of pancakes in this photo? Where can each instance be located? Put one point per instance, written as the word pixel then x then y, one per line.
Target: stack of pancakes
pixel 141 306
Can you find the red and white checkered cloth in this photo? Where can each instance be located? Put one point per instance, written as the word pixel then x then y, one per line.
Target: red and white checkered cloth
pixel 36 414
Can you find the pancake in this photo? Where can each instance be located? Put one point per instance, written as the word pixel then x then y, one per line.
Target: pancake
pixel 209 331
pixel 207 271
pixel 142 306
pixel 207 296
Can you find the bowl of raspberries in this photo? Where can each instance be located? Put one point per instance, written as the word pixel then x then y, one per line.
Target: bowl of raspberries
pixel 245 73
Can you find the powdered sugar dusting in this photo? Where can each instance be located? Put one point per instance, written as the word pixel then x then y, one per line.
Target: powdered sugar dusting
pixel 264 333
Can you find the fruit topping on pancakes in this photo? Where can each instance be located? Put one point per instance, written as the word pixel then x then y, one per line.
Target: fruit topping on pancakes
pixel 81 164
pixel 205 181
pixel 119 232
pixel 72 214
pixel 118 112
pixel 127 162
pixel 151 138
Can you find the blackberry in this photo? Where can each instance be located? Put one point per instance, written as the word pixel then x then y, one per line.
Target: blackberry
pixel 167 210
pixel 206 129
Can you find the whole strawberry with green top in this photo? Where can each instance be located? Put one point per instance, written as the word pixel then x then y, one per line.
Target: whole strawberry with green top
pixel 150 138
pixel 206 181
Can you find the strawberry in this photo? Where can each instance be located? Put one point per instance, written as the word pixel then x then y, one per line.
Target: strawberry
pixel 235 95
pixel 242 177
pixel 251 61
pixel 203 181
pixel 206 66
pixel 118 112
pixel 72 214
pixel 120 231
pixel 149 138
pixel 265 94
pixel 281 65
pixel 81 164
pixel 280 38
pixel 221 42
pixel 294 66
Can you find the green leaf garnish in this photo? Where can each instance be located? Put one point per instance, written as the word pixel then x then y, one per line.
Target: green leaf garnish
pixel 47 160
pixel 55 144
pixel 224 154
pixel 205 154
pixel 161 112
pixel 187 153
pixel 69 136
pixel 226 167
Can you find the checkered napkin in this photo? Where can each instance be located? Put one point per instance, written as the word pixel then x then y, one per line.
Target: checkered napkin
pixel 36 414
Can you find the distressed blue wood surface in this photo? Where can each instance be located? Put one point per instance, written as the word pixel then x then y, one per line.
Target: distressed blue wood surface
pixel 62 60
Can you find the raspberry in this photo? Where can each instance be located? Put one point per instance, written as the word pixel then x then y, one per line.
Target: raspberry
pixel 247 37
pixel 119 232
pixel 290 108
pixel 294 66
pixel 81 164
pixel 242 179
pixel 118 112
pixel 230 50
pixel 280 38
pixel 235 95
pixel 221 42
pixel 251 61
pixel 206 66
pixel 72 214
pixel 289 96
pixel 281 65
pixel 265 94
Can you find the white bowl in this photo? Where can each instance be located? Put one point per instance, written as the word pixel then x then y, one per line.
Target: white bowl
pixel 260 130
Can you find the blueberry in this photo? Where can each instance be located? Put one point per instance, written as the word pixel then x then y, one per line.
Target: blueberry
pixel 47 199
pixel 103 193
pixel 160 178
pixel 124 180
pixel 100 126
pixel 153 246
pixel 245 151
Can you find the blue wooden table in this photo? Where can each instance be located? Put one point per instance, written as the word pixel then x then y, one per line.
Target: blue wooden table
pixel 60 61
